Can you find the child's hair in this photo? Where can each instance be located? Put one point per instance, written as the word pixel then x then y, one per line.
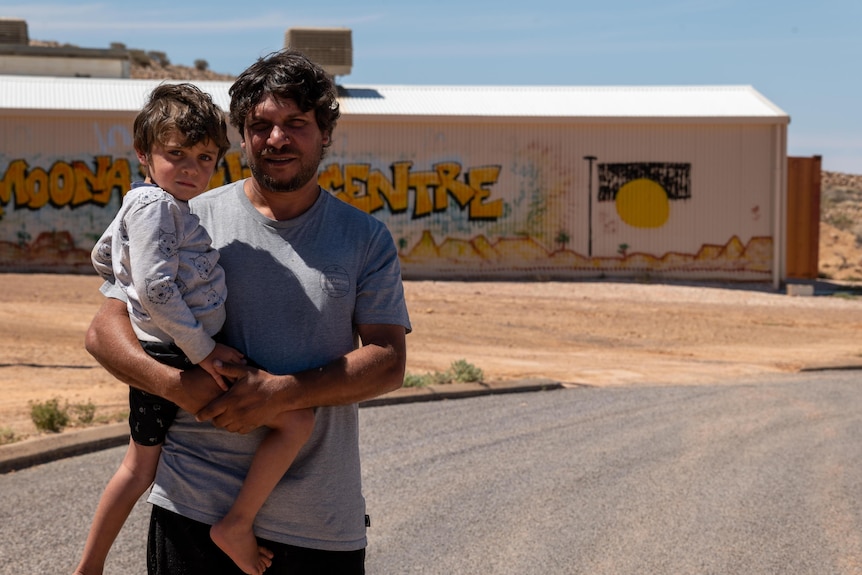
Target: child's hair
pixel 181 108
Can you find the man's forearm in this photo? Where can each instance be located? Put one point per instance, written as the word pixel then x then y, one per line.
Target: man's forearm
pixel 112 342
pixel 365 373
pixel 257 396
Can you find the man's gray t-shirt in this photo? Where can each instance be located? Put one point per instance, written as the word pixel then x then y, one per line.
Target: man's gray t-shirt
pixel 297 289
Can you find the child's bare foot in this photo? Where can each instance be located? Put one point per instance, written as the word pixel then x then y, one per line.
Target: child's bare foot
pixel 239 543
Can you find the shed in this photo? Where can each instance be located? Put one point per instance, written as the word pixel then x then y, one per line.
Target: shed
pixel 474 182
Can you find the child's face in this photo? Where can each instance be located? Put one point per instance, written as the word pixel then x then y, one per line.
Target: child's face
pixel 182 171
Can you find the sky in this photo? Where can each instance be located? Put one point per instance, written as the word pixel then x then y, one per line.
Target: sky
pixel 803 56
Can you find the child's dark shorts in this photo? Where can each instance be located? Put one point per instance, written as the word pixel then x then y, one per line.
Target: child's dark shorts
pixel 150 416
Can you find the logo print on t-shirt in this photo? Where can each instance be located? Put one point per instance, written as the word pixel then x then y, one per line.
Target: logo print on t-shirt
pixel 335 281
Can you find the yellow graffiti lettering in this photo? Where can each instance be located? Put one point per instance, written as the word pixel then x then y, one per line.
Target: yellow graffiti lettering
pixel 118 177
pixel 423 183
pixel 65 184
pixel 377 186
pixel 235 171
pixel 12 183
pixel 78 182
pixel 217 178
pixel 97 187
pixel 462 192
pixel 61 184
pixel 84 182
pixel 36 186
pixel 477 179
pixel 355 176
pixel 368 189
pixel 395 192
pixel 331 178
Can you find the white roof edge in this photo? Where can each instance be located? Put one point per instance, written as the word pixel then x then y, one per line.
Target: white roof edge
pixel 648 103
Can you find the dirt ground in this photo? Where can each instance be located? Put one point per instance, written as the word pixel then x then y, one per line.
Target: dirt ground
pixel 596 333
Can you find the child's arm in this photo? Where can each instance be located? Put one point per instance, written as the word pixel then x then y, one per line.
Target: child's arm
pixel 156 229
pixel 224 354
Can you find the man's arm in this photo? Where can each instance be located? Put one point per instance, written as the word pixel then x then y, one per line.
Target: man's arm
pixel 112 342
pixel 256 395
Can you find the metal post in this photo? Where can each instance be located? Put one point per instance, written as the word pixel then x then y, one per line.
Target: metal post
pixel 590 159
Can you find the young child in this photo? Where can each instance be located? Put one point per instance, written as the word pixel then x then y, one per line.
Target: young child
pixel 157 252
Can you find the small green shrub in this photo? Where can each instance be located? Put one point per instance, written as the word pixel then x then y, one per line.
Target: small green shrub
pixel 111 417
pixel 460 371
pixel 7 436
pixel 464 372
pixel 426 379
pixel 85 413
pixel 846 295
pixel 439 377
pixel 414 380
pixel 49 415
pixel 841 221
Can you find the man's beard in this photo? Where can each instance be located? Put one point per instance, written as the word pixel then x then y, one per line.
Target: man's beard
pixel 307 171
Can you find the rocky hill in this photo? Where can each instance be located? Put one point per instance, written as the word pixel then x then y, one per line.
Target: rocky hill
pixel 156 65
pixel 840 254
pixel 150 65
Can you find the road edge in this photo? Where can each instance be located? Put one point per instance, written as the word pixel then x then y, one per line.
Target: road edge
pixel 51 447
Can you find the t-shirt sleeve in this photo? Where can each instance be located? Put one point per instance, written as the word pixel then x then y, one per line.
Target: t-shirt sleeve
pixel 154 232
pixel 379 290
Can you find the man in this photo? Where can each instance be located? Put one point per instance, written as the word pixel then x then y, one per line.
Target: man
pixel 315 300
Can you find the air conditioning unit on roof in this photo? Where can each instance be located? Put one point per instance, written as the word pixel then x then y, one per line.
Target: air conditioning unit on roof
pixel 331 48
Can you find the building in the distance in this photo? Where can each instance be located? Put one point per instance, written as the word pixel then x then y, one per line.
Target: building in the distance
pixel 474 182
pixel 18 57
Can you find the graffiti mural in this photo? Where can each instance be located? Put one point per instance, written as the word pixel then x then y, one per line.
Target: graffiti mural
pixel 371 190
pixel 519 209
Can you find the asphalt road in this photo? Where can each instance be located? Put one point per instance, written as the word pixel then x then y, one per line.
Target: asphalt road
pixel 751 477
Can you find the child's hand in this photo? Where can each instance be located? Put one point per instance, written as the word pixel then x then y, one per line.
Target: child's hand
pixel 223 354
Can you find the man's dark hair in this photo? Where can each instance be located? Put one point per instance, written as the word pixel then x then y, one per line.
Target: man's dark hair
pixel 286 74
pixel 181 108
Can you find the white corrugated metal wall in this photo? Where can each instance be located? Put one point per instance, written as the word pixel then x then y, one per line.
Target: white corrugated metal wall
pixel 522 202
pixel 544 183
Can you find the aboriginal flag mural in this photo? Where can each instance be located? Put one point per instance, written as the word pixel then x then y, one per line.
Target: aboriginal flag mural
pixel 643 191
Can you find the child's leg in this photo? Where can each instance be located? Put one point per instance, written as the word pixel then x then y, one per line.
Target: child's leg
pixel 233 534
pixel 129 482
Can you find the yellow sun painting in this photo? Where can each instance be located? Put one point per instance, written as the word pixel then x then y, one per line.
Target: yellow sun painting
pixel 642 203
pixel 642 192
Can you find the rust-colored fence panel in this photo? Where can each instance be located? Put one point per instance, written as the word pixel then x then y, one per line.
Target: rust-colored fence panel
pixel 803 217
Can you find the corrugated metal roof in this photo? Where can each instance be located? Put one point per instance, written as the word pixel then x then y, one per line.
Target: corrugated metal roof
pixel 588 102
pixel 562 101
pixel 106 94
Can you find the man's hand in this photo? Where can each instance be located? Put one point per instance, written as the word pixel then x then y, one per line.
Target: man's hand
pixel 257 397
pixel 111 340
pixel 252 400
pixel 197 389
